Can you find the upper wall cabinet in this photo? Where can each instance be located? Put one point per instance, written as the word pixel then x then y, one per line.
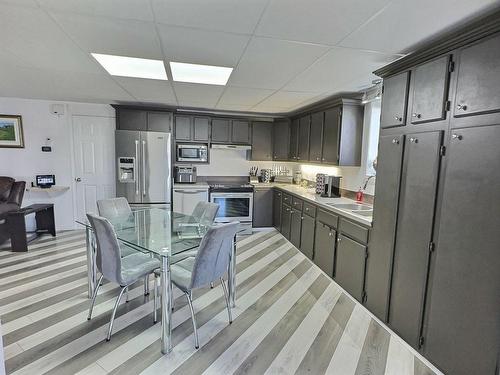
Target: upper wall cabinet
pixel 478 79
pixel 430 91
pixel 303 142
pixel 351 135
pixel 281 140
pixel 316 144
pixel 394 100
pixel 189 128
pixel 230 131
pixel 331 136
pixel 294 139
pixel 158 121
pixel 262 141
pixel 240 131
pixel 143 120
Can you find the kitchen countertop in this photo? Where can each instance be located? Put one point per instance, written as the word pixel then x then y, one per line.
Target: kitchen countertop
pixel 310 195
pixel 196 185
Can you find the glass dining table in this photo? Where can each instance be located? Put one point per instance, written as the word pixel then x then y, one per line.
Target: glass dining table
pixel 166 235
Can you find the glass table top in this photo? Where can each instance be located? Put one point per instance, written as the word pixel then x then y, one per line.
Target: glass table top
pixel 157 231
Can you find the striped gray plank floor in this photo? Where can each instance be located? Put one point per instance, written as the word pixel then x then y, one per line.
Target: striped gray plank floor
pixel 290 318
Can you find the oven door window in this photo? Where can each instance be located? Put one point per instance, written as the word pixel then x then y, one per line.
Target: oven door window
pixel 232 207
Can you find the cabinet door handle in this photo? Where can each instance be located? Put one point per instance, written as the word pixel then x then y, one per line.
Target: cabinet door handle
pixel 457 136
pixel 307 208
pixel 398 118
pixel 413 140
pixel 330 234
pixel 462 107
pixel 395 141
pixel 317 158
pixel 339 239
pixel 417 115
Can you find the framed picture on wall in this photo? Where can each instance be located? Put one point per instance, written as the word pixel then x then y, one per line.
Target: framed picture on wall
pixel 11 131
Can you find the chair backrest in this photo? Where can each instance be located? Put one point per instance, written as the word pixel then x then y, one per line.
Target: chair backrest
pixel 108 255
pixel 11 191
pixel 205 212
pixel 212 259
pixel 109 208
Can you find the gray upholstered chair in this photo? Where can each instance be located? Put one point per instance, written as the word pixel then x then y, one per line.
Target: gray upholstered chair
pixel 122 271
pixel 205 212
pixel 113 207
pixel 210 263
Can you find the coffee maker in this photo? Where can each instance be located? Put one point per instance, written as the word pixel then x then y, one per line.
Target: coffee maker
pixel 331 187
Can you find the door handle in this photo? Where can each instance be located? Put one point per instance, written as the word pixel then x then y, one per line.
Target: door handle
pixel 78 179
pixel 144 168
pixel 136 167
pixel 189 192
pixel 456 136
pixel 395 141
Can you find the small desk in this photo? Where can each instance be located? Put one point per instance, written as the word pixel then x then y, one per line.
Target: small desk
pixel 16 224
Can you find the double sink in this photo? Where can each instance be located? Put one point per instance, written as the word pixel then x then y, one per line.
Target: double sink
pixel 355 208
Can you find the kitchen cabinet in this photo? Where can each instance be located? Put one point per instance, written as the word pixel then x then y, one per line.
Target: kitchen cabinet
pixel 240 132
pixel 478 79
pixel 286 219
pixel 303 142
pixel 263 207
pixel 295 227
pixel 351 135
pixel 201 129
pixel 462 333
pixel 307 235
pixel 316 141
pixel 330 154
pixel 430 90
pixel 277 209
pixel 421 164
pixel 185 198
pixel 394 100
pixel 350 266
pixel 158 121
pixel 281 140
pixel 324 247
pixel 262 140
pixel 385 211
pixel 221 130
pixel 294 140
pixel 131 119
pixel 183 128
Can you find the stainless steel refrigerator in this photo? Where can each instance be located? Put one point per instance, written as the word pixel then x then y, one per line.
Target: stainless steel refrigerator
pixel 144 168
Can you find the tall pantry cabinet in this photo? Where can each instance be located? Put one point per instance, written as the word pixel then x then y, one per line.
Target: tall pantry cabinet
pixel 433 270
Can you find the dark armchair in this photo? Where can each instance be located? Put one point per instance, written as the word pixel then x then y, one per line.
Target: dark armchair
pixel 11 198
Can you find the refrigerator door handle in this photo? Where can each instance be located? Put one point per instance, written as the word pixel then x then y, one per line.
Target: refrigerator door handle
pixel 136 167
pixel 144 168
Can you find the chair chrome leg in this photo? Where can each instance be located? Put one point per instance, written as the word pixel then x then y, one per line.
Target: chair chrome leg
pixel 190 302
pixel 146 285
pixel 99 283
pixel 155 299
pixel 127 299
pixel 226 297
pixel 110 329
pixel 212 285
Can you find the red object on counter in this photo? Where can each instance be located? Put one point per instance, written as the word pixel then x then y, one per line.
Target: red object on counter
pixel 359 196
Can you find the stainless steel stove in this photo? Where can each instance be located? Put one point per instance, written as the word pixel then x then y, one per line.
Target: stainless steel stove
pixel 235 204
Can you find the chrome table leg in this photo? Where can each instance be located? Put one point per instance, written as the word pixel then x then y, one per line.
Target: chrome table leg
pixel 166 306
pixel 231 280
pixel 91 266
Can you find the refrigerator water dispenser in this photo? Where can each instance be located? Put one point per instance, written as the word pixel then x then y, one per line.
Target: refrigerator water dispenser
pixel 126 169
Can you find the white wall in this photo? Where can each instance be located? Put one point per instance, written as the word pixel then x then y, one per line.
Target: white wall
pixel 24 163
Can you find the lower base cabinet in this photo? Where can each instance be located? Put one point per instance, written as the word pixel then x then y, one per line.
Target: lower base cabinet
pixel 295 227
pixel 350 266
pixel 277 210
pixel 307 236
pixel 324 248
pixel 262 208
pixel 286 219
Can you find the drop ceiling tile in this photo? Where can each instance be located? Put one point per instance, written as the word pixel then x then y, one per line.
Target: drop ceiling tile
pixel 148 90
pixel 23 82
pixel 112 36
pixel 316 21
pixel 271 63
pixel 287 99
pixel 204 47
pixel 33 36
pixel 337 67
pixel 405 23
pixel 222 15
pixel 243 96
pixel 193 94
pixel 124 9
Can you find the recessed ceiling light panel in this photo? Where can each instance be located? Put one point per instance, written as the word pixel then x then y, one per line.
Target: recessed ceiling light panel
pixel 195 73
pixel 132 66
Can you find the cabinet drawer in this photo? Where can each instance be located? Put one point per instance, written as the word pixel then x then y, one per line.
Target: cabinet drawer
pixel 309 209
pixel 327 218
pixel 297 204
pixel 287 199
pixel 355 231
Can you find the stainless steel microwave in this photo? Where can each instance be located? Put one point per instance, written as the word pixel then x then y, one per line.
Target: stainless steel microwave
pixel 193 153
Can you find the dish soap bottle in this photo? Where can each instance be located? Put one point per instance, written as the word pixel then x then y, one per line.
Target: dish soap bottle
pixel 359 195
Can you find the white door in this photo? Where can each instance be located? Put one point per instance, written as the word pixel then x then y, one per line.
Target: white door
pixel 94 158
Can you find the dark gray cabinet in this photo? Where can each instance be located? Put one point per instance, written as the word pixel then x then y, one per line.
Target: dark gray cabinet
pixel 286 219
pixel 294 139
pixel 201 129
pixel 331 134
pixel 281 140
pixel 350 266
pixel 395 100
pixel 316 141
pixel 351 135
pixel 132 119
pixel 303 142
pixel 462 334
pixel 295 227
pixel 240 131
pixel 430 91
pixel 277 209
pixel 478 79
pixel 379 264
pixel 307 236
pixel 324 247
pixel 221 130
pixel 262 141
pixel 263 207
pixel 183 128
pixel 159 121
pixel 421 165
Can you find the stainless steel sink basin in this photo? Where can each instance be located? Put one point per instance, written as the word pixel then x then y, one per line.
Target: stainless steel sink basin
pixel 351 206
